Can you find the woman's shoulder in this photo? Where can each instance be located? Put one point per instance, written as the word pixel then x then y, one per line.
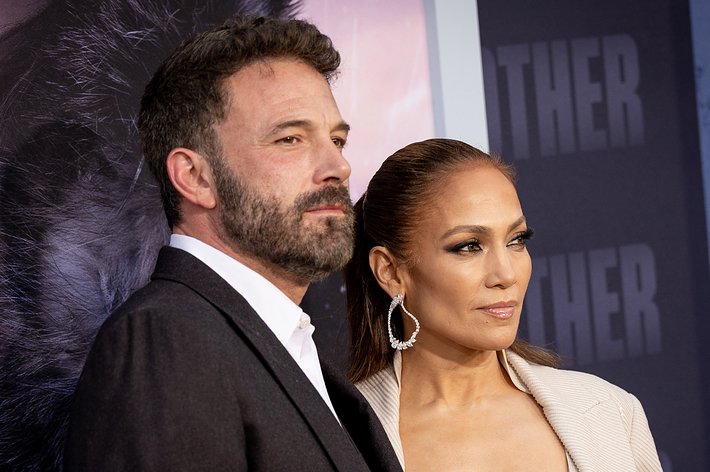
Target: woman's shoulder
pixel 568 386
pixel 381 390
pixel 611 413
pixel 383 383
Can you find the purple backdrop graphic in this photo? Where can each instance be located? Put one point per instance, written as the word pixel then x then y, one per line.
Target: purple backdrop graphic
pixel 80 218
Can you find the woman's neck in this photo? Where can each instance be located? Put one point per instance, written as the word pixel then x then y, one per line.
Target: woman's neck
pixel 456 380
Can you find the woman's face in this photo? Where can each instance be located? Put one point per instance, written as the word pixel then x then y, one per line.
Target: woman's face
pixel 470 266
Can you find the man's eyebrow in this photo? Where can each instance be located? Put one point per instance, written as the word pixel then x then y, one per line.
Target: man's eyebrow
pixel 342 126
pixel 291 124
pixel 478 229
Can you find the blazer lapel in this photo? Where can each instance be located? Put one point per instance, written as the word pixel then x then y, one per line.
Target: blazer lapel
pixel 180 266
pixel 360 420
pixel 585 433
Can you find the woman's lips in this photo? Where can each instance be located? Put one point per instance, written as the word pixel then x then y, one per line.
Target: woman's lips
pixel 501 310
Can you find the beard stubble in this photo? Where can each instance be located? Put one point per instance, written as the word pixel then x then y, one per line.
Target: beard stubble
pixel 269 230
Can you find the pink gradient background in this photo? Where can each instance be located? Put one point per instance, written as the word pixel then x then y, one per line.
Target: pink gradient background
pixel 383 90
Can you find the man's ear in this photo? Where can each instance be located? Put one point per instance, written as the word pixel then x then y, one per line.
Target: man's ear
pixel 191 175
pixel 388 271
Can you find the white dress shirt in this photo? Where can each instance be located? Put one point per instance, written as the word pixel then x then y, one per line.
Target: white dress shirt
pixel 287 320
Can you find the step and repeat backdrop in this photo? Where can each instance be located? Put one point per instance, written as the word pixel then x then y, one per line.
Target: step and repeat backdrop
pixel 593 102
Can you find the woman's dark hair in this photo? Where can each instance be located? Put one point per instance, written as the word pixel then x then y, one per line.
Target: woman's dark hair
pixel 387 215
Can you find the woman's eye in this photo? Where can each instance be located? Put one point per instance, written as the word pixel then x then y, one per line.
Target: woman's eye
pixel 522 238
pixel 468 247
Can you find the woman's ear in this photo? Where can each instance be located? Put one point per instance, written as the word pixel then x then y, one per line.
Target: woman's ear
pixel 388 271
pixel 191 175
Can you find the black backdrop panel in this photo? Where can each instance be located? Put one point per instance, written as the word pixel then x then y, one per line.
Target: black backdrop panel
pixel 594 104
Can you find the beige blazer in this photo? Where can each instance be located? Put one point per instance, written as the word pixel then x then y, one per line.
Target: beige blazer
pixel 602 427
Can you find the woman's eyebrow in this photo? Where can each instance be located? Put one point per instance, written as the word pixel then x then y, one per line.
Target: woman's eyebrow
pixel 517 223
pixel 479 229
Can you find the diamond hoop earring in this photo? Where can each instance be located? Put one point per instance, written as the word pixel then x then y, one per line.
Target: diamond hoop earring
pixel 394 342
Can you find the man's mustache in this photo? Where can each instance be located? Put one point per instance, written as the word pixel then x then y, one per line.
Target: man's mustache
pixel 330 195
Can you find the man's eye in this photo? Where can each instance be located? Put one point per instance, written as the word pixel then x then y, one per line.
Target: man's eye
pixel 340 142
pixel 288 140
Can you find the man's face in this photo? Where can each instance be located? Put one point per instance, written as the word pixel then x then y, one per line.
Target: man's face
pixel 282 180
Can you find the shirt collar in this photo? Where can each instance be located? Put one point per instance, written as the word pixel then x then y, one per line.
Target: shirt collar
pixel 278 311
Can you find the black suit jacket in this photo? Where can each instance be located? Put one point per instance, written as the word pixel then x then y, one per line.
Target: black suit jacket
pixel 186 376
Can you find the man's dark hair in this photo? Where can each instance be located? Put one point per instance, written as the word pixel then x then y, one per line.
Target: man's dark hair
pixel 186 96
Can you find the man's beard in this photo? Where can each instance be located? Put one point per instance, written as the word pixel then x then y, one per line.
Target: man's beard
pixel 264 228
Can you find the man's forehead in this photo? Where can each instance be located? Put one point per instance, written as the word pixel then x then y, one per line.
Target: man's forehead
pixel 266 84
pixel 274 68
pixel 280 93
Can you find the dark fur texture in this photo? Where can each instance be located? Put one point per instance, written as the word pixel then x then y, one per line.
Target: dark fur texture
pixel 80 218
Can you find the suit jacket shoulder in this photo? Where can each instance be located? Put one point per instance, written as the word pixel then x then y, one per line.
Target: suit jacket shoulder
pixel 602 426
pixel 186 376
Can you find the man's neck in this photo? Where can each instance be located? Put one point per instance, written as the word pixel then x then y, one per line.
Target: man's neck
pixel 293 287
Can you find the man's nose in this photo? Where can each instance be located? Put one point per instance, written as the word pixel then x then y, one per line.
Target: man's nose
pixel 332 166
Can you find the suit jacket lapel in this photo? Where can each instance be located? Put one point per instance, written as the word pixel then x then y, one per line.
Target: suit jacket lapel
pixel 180 266
pixel 584 434
pixel 360 420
